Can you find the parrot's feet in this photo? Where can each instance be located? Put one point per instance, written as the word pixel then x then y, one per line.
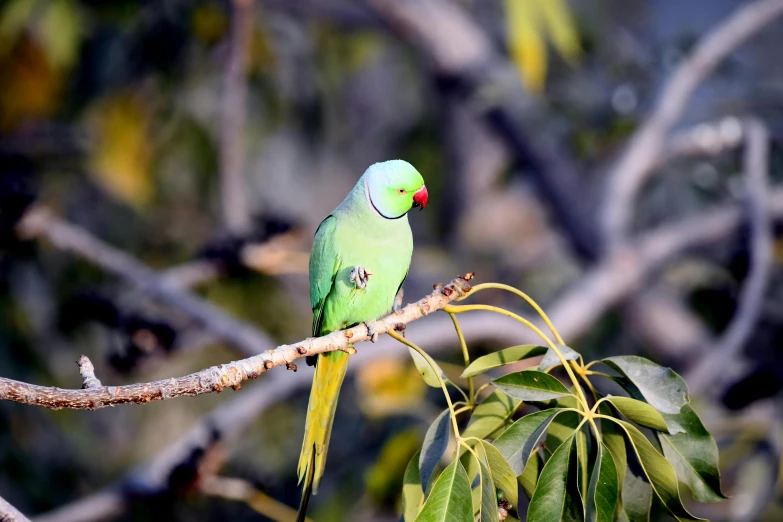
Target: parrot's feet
pixel 371 331
pixel 360 276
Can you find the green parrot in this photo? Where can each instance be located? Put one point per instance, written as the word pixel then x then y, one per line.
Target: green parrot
pixel 360 257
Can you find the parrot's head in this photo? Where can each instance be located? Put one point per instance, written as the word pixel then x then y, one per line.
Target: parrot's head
pixel 395 187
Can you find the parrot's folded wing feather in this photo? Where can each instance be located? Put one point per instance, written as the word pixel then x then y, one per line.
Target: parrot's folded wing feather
pixel 324 265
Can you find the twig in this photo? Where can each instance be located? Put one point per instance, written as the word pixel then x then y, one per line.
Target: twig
pixel 232 374
pixel 87 371
pixel 39 222
pixel 9 513
pixel 236 214
pixel 636 163
pixel 707 373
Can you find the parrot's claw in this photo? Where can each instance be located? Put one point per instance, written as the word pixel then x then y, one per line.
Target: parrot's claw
pixel 398 300
pixel 371 331
pixel 360 276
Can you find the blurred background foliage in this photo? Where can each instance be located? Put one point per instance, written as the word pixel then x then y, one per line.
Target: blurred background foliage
pixel 109 115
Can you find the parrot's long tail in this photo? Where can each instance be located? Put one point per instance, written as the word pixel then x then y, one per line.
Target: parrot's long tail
pixel 329 373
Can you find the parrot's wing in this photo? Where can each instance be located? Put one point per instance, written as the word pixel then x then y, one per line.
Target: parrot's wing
pixel 324 265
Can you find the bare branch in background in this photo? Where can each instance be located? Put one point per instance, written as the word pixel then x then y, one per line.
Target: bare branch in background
pixel 459 50
pixel 660 318
pixel 624 272
pixel 232 374
pixel 39 222
pixel 636 163
pixel 9 513
pixel 707 373
pixel 233 189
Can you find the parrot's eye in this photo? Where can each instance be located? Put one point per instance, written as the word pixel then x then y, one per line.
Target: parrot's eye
pixel 400 191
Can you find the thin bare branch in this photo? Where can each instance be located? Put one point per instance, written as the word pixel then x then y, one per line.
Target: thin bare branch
pixel 39 222
pixel 707 373
pixel 644 150
pixel 9 513
pixel 232 374
pixel 233 190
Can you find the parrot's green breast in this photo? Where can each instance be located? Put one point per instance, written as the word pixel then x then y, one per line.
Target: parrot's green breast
pixel 383 247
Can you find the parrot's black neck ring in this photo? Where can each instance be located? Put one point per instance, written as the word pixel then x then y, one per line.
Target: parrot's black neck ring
pixel 369 198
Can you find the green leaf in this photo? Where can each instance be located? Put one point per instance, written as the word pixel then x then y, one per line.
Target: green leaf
pixel 660 473
pixel 613 438
pixel 694 456
pixel 551 359
pixel 562 427
pixel 568 401
pixel 450 499
pixel 640 412
pixel 521 438
pixel 582 462
pixel 491 415
pixel 661 387
pixel 529 476
pixel 426 371
pixel 502 475
pixel 489 497
pixel 503 357
pixel 412 494
pixel 604 488
pixel 531 385
pixel 435 442
pixel 636 500
pixel 549 500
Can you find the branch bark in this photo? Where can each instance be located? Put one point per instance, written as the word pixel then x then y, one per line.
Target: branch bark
pixel 216 378
pixel 9 513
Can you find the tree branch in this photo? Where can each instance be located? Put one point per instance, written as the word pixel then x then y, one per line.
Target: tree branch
pixel 707 373
pixel 228 420
pixel 39 222
pixel 236 214
pixel 620 274
pixel 642 153
pixel 462 54
pixel 232 374
pixel 9 513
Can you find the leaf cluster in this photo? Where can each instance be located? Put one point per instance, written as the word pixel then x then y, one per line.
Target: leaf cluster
pixel 571 455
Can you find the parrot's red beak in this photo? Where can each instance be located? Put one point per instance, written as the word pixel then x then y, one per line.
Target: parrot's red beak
pixel 420 197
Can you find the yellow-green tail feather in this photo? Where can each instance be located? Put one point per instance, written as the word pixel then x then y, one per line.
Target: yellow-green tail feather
pixel 329 374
